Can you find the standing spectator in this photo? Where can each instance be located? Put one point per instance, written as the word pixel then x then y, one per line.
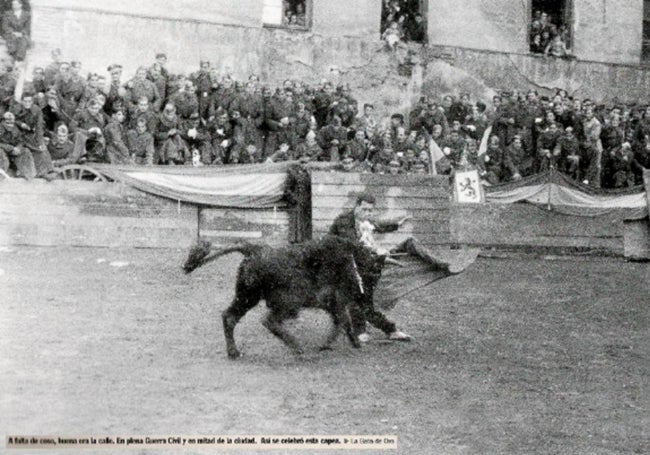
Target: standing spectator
pixel 16 25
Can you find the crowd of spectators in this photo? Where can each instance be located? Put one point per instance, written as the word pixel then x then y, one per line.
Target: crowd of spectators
pixel 402 21
pixel 548 38
pixel 208 118
pixel 600 145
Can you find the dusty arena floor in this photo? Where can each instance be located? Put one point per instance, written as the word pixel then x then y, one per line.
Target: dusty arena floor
pixel 516 356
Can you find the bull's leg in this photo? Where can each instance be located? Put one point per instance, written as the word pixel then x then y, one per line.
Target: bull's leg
pixel 273 322
pixel 231 316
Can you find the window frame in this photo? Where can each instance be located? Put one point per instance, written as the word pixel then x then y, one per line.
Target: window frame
pixel 301 28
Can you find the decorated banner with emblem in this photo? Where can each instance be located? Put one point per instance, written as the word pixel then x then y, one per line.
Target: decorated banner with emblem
pixel 468 188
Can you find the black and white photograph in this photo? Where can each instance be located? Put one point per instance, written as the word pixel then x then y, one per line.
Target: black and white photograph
pixel 325 226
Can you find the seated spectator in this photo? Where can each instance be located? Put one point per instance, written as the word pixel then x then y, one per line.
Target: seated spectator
pixel 88 127
pixel 198 139
pixel 623 158
pixel 491 162
pixel 62 149
pixel 392 36
pixel 556 47
pixel 13 152
pixel 519 160
pixel 309 149
pixel 570 156
pixel 140 142
pixel 170 147
pixel 283 153
pixel 117 151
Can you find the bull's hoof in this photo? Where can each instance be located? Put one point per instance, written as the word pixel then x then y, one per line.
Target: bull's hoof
pixel 234 354
pixel 325 348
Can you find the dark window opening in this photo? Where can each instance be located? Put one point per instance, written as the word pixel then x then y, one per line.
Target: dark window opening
pixel 550 25
pixel 645 43
pixel 404 20
pixel 293 14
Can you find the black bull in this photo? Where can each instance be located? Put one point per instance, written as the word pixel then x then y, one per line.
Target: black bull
pixel 332 274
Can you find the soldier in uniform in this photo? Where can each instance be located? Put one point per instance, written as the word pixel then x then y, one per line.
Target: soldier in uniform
pixel 29 120
pixel 88 127
pixel 116 92
pixel 222 133
pixel 185 100
pixel 223 96
pixel 198 138
pixel 143 110
pixel 203 84
pixel 13 152
pixel 117 150
pixel 69 89
pixel 61 148
pixel 52 70
pixel 170 147
pixel 141 87
pixel 140 143
pixel 16 28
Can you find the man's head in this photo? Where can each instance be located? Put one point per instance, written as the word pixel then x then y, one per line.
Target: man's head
pixel 205 65
pixel 364 206
pixel 9 119
pixel 141 125
pixel 64 69
pixel 75 67
pixel 94 107
pixel 62 134
pixel 141 73
pixel 27 100
pixel 396 120
pixel 143 104
pixel 118 115
pixel 368 109
pixel 116 72
pixel 161 59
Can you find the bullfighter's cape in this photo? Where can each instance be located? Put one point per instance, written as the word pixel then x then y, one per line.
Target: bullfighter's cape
pixel 420 266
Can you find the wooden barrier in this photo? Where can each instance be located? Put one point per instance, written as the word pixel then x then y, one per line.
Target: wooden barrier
pixel 100 214
pixel 424 198
pixel 527 225
pixel 222 226
pixel 83 213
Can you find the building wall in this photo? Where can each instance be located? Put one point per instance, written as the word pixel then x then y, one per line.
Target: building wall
pixel 609 30
pixel 604 30
pixel 499 25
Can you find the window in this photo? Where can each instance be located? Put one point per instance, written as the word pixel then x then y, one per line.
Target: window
pixel 549 19
pixel 645 44
pixel 407 17
pixel 294 14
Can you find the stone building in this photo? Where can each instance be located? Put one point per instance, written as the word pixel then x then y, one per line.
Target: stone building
pixel 474 45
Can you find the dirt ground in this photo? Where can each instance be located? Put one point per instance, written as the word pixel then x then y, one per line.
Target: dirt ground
pixel 515 356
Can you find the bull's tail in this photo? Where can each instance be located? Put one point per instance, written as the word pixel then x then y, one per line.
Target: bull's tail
pixel 203 252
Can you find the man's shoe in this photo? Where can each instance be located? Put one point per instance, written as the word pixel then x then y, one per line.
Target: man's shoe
pixel 399 336
pixel 363 337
